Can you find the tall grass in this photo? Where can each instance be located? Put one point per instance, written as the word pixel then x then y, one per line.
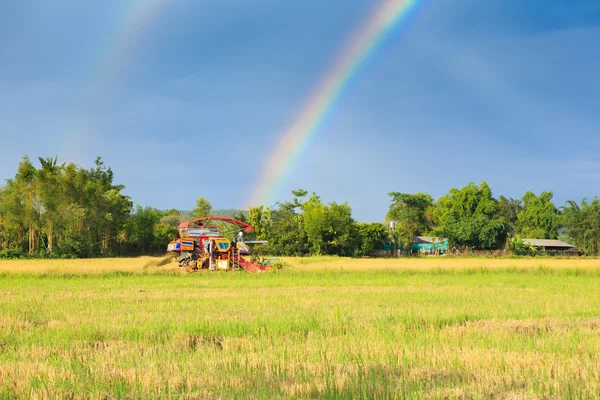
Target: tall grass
pixel 328 329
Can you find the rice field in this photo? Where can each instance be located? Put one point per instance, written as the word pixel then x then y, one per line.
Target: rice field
pixel 318 328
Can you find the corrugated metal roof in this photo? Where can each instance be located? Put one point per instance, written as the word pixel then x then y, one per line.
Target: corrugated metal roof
pixel 428 240
pixel 548 243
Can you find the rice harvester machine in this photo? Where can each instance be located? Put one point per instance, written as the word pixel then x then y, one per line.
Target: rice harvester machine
pixel 215 243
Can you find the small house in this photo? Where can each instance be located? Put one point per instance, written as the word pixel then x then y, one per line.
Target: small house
pixel 422 245
pixel 550 245
pixel 430 245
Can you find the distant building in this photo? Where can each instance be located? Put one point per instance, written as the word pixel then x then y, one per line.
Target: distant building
pixel 428 244
pixel 434 245
pixel 550 245
pixel 423 245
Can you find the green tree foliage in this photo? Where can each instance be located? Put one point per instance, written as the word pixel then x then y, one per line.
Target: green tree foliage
pixel 57 210
pixel 148 230
pixel 508 209
pixel 107 209
pixel 582 224
pixel 20 208
pixel 469 218
pixel 315 224
pixel 341 234
pixel 299 194
pixel 140 229
pixel 371 238
pixel 229 212
pixel 172 218
pixel 60 209
pixel 539 218
pixel 300 227
pixel 520 248
pixel 167 229
pixel 404 234
pixel 50 195
pixel 416 208
pixel 411 215
pixel 286 236
pixel 260 219
pixel 203 208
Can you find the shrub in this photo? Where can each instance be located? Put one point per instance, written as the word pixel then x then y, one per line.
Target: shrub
pixel 520 248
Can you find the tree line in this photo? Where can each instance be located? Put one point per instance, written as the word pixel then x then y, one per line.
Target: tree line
pixel 63 210
pixel 470 218
pixel 307 226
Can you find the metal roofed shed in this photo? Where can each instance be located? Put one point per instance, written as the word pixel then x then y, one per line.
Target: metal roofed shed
pixel 422 245
pixel 550 244
pixel 430 245
pixel 429 240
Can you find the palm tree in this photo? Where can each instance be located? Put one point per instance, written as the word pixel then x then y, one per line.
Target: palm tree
pixel 49 182
pixel 50 165
pixel 26 186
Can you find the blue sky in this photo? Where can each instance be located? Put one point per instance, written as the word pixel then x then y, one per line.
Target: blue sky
pixel 468 90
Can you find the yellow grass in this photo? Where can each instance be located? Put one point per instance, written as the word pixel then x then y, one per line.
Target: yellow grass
pixel 433 263
pixel 84 266
pixel 312 264
pixel 322 327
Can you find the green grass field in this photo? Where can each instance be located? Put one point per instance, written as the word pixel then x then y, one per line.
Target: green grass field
pixel 319 328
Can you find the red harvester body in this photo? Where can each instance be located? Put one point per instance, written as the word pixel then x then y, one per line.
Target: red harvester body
pixel 214 243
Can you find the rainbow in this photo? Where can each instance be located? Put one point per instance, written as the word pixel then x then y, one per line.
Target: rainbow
pixel 128 31
pixel 389 15
pixel 107 66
